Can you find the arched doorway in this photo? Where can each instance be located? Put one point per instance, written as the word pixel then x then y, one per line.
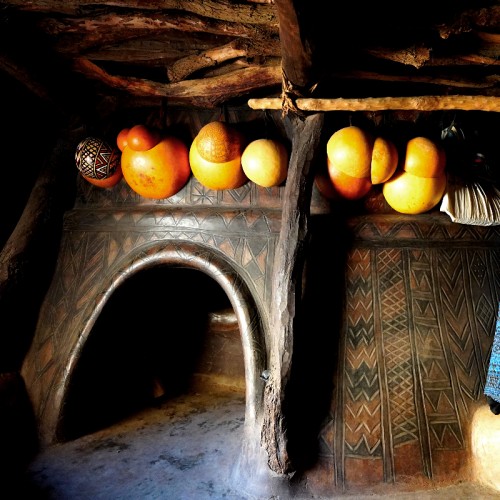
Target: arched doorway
pixel 52 360
pixel 165 331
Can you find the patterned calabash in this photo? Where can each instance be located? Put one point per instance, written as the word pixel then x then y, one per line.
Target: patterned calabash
pixel 96 158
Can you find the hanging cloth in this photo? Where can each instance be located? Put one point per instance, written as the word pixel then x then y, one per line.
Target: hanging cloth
pixel 492 387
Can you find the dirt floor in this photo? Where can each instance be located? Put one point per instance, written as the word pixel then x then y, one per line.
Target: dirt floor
pixel 183 449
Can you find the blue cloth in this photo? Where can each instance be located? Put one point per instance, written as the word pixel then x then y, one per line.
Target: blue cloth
pixel 492 387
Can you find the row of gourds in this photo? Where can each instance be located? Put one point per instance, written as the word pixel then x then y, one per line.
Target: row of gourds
pixel 158 166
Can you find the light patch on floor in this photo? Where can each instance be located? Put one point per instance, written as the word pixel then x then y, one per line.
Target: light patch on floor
pixel 182 449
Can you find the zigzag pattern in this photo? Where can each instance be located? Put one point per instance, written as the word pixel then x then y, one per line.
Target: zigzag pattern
pixel 362 415
pixel 363 448
pixel 413 335
pixel 249 224
pixel 435 378
pixel 446 436
pixel 360 338
pixel 429 323
pixel 362 383
pixel 458 311
pixel 482 282
pixel 86 258
pixel 397 348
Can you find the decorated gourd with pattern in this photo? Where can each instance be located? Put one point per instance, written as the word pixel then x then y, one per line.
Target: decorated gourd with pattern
pixel 96 159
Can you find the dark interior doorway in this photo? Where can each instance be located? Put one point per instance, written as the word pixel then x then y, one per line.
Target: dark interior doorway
pixel 144 347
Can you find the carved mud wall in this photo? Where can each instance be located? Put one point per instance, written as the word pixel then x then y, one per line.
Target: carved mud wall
pixel 228 235
pixel 421 296
pixel 419 300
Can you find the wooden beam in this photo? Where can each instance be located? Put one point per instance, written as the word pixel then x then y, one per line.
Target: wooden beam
pixel 249 12
pixel 296 52
pixel 111 28
pixel 419 103
pixel 239 48
pixel 204 92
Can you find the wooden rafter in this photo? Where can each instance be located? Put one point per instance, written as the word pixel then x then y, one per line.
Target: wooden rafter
pixel 419 103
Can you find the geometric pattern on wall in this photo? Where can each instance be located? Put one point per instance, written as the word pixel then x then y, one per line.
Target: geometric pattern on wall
pixel 98 246
pixel 421 296
pixel 246 237
pixel 417 332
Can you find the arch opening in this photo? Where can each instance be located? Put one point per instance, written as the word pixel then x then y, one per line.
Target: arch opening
pixel 165 331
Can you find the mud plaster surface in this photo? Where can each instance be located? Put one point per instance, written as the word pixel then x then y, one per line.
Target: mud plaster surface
pixel 181 449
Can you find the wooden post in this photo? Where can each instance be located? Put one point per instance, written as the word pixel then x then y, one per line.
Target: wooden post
pixel 298 79
pixel 287 284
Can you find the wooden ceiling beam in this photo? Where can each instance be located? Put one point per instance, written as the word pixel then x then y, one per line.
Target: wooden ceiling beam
pixel 417 103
